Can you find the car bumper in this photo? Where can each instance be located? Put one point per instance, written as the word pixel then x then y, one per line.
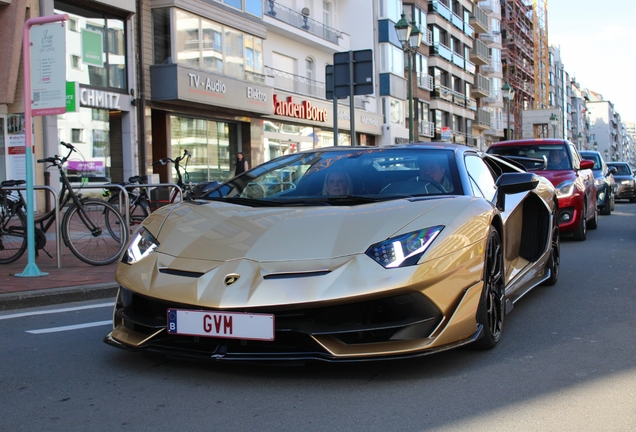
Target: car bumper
pixel 570 213
pixel 624 191
pixel 347 332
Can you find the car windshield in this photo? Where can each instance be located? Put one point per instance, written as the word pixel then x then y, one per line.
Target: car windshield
pixel 621 169
pixel 593 157
pixel 534 157
pixel 334 176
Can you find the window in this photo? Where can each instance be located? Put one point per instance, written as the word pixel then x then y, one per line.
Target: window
pixel 397 111
pixel 391 9
pixel 326 13
pixel 73 25
pixel 77 135
pixel 100 143
pixel 481 178
pixel 208 45
pixel 113 32
pixel 391 59
pixel 309 69
pixel 76 62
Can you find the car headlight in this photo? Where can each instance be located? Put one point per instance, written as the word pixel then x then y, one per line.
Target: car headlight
pixel 565 189
pixel 599 182
pixel 626 182
pixel 141 245
pixel 405 249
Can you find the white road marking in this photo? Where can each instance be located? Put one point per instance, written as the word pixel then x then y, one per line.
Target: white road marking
pixel 70 327
pixel 26 314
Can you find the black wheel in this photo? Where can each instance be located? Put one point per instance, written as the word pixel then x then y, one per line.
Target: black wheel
pixel 88 235
pixel 554 262
pixel 139 210
pixel 490 314
pixel 581 231
pixel 593 223
pixel 13 235
pixel 607 208
pixel 632 200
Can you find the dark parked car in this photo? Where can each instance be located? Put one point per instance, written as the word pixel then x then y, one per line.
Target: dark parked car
pixel 625 182
pixel 560 162
pixel 604 180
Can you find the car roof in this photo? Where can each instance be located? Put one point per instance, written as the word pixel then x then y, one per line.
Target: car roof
pixel 530 142
pixel 458 148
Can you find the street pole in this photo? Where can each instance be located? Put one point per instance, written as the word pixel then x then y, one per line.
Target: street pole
pixel 410 84
pixel 508 128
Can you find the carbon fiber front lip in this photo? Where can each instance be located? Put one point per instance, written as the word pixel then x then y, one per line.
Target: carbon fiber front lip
pixel 283 357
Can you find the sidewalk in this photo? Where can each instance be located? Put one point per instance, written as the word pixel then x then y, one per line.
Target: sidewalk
pixel 75 281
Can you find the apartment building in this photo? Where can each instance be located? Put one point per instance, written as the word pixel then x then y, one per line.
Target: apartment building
pixel 249 76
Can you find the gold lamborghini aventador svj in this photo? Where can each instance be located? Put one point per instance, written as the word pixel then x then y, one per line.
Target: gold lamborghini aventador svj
pixel 340 254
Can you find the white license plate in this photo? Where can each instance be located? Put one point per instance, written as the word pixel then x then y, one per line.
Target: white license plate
pixel 231 325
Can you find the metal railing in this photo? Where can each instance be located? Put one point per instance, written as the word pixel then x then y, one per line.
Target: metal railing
pixel 425 81
pixel 296 83
pixel 301 21
pixel 427 128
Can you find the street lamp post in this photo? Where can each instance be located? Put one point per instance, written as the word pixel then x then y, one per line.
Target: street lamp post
pixel 595 146
pixel 410 37
pixel 606 153
pixel 580 140
pixel 508 94
pixel 554 121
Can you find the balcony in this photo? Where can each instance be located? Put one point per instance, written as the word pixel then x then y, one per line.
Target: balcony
pixel 491 68
pixel 457 21
pixel 443 93
pixel 426 129
pixel 301 21
pixel 459 99
pixel 490 6
pixel 468 30
pixel 470 67
pixel 479 20
pixel 493 97
pixel 296 83
pixel 481 89
pixel 425 81
pixel 490 38
pixel 441 9
pixel 458 60
pixel 427 38
pixel 443 51
pixel 479 54
pixel 483 119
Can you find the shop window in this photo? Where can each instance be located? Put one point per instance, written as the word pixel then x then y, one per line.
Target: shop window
pixel 73 25
pixel 100 143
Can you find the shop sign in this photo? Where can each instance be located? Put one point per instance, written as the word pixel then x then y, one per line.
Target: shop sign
pixel 103 99
pixel 92 48
pixel 303 110
pixel 214 86
pixel 48 69
pixel 72 93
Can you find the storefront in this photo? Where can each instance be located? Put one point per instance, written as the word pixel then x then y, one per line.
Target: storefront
pixel 212 116
pixel 100 121
pixel 301 123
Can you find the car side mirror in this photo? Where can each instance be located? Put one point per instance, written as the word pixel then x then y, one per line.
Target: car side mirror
pixel 587 164
pixel 512 183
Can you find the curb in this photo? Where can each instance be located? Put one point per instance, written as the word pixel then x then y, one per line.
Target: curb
pixel 53 296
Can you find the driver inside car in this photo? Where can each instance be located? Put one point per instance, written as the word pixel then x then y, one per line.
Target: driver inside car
pixel 434 169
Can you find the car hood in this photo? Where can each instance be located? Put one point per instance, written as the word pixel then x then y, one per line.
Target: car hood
pixel 557 177
pixel 221 232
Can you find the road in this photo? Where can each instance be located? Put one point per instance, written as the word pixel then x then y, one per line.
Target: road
pixel 567 362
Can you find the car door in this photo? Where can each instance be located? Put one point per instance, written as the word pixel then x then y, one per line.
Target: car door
pixel 586 178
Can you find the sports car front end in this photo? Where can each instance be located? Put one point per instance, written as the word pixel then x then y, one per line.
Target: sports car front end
pixel 363 282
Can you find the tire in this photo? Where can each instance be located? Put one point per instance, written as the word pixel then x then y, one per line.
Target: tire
pixel 593 223
pixel 13 236
pixel 490 314
pixel 139 211
pixel 607 208
pixel 87 233
pixel 554 262
pixel 581 231
pixel 632 200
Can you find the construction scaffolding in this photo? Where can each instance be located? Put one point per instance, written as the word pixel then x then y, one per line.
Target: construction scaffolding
pixel 541 57
pixel 525 56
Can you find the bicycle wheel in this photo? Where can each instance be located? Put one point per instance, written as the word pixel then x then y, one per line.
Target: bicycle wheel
pixel 13 235
pixel 139 211
pixel 88 235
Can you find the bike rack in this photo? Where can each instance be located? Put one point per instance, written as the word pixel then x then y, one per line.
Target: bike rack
pixel 57 216
pixel 132 186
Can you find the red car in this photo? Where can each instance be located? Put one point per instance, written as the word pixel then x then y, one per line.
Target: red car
pixel 560 162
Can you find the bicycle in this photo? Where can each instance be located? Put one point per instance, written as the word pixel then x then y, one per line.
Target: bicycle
pixel 139 201
pixel 185 185
pixel 13 241
pixel 86 227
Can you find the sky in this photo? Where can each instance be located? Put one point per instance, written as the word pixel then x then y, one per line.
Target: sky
pixel 598 47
